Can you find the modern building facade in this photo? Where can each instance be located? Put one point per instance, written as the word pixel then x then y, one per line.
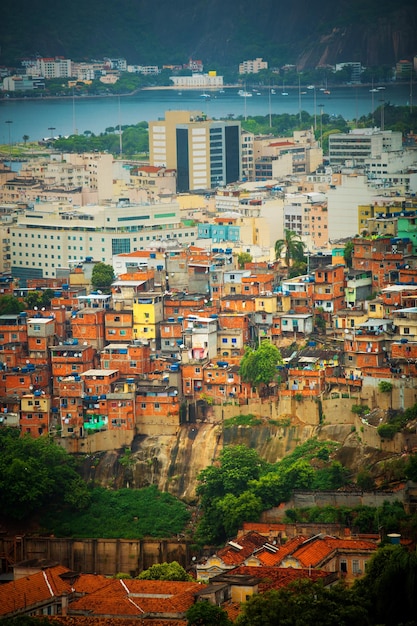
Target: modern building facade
pixel 206 153
pixel 360 144
pixel 50 237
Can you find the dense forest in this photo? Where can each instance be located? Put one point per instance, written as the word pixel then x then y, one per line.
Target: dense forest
pixel 219 33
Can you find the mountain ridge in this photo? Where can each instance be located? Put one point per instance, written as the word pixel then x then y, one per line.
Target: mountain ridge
pixel 219 33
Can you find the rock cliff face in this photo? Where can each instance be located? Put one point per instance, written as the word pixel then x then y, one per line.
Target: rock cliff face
pixel 173 463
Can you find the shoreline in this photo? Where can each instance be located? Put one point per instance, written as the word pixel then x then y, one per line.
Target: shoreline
pixel 7 98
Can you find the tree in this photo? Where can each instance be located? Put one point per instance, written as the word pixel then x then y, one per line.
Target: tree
pixel 238 509
pixel 34 472
pixel 390 585
pixel 10 304
pixel 102 277
pixel 303 603
pixel 25 139
pixel 293 247
pixel 239 467
pixel 347 253
pixel 165 571
pixel 39 298
pixel 259 366
pixel 411 468
pixel 243 258
pixel 206 614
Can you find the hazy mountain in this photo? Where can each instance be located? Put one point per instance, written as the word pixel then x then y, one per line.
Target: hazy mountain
pixel 219 32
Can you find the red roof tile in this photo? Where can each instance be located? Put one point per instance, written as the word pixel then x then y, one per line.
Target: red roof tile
pixel 138 597
pixel 277 577
pixel 33 589
pixel 266 557
pixel 249 542
pixel 316 550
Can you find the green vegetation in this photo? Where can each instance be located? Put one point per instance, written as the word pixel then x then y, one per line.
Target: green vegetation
pixel 102 277
pixel 36 474
pixel 390 517
pixel 360 409
pixel 303 603
pixel 38 478
pixel 125 513
pixel 207 614
pixel 134 141
pixel 397 420
pixel 385 387
pixel 259 366
pixel 243 485
pixel 389 587
pixel 347 253
pixel 242 420
pixel 243 258
pixel 293 248
pixel 165 571
pixel 10 305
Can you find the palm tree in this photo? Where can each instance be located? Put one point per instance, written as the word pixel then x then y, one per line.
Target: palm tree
pixel 25 138
pixel 293 246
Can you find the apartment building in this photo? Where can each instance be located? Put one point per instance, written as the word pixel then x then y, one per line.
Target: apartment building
pixel 276 157
pixel 361 144
pixel 205 153
pixel 253 66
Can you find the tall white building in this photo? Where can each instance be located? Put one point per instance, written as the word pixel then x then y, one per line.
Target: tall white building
pixel 54 67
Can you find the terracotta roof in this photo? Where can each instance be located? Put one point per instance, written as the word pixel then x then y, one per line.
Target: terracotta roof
pixel 138 597
pixel 33 589
pixel 231 554
pixel 277 577
pixel 316 550
pixel 262 527
pixel 266 557
pixel 82 620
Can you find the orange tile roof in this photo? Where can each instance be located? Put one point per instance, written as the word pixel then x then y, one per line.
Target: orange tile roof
pixel 269 558
pixel 248 542
pixel 138 597
pixel 315 551
pixel 262 527
pixel 83 620
pixel 277 577
pixel 33 589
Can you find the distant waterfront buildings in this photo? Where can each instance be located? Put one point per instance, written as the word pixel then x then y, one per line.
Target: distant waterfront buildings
pixel 198 81
pixel 253 66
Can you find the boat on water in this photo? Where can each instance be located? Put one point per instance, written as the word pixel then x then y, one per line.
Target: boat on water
pixel 244 94
pixel 205 95
pixel 310 86
pixel 327 92
pixel 284 93
pixel 273 92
